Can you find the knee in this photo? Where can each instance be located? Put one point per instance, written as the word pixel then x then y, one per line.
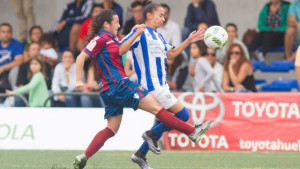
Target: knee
pixel 291 31
pixel 184 114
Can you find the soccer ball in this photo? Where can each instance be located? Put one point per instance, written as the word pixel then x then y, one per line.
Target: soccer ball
pixel 215 37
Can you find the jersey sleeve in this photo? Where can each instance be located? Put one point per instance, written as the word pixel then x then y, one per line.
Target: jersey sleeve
pixel 135 43
pixel 94 46
pixel 18 50
pixel 168 46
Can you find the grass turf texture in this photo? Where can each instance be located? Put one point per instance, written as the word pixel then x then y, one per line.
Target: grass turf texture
pixel 23 159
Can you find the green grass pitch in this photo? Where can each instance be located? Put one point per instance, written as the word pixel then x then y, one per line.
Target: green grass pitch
pixel 23 159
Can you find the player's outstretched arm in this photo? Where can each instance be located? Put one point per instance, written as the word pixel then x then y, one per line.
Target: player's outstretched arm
pixel 125 46
pixel 193 37
pixel 79 67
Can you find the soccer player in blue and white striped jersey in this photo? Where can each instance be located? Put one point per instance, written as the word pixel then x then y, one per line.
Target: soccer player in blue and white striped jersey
pixel 150 53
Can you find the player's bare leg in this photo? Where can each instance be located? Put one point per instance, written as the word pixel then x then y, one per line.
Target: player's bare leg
pixel 113 125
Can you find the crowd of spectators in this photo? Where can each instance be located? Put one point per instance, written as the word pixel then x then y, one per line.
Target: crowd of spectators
pixel 42 63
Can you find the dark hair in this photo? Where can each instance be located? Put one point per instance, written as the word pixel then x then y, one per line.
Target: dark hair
pixel 231 24
pixel 35 27
pixel 67 50
pixel 166 6
pixel 33 43
pixel 106 15
pixel 149 8
pixel 202 47
pixel 135 4
pixel 239 62
pixel 97 6
pixel 177 62
pixel 30 74
pixel 7 24
pixel 48 38
pixel 206 23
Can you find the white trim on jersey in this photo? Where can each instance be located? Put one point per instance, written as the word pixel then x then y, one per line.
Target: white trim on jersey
pixel 149 54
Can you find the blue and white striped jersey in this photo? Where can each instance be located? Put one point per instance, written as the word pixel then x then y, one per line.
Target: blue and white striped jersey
pixel 149 55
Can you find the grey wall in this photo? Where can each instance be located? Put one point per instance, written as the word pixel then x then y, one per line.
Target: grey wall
pixel 242 12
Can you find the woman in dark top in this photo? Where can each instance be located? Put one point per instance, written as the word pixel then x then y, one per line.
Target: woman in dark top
pixel 238 71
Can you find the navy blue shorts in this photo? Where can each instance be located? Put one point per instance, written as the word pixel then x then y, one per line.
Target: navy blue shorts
pixel 124 94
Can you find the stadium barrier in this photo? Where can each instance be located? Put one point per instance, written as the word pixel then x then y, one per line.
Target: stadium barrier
pixel 3 95
pixel 241 122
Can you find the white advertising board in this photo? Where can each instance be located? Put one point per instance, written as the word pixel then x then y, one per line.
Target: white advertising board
pixel 68 128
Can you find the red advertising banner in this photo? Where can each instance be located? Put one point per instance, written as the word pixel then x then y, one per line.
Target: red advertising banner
pixel 241 122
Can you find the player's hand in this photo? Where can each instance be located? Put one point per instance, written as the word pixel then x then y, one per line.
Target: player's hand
pixel 9 92
pixel 79 86
pixel 196 35
pixel 140 29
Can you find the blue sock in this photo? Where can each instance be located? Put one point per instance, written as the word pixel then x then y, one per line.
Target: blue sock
pixel 159 128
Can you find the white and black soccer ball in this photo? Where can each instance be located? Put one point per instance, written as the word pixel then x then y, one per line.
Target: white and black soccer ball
pixel 215 37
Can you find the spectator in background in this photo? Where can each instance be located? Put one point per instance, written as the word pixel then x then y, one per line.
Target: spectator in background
pixel 218 68
pixel 178 78
pixel 33 51
pixel 170 29
pixel 64 79
pixel 272 24
pixel 297 66
pixel 232 31
pixel 68 28
pixel 25 16
pixel 48 53
pixel 203 25
pixel 200 11
pixel 204 73
pixel 238 71
pixel 292 36
pixel 11 54
pixel 97 8
pixel 137 13
pixel 37 87
pixel 110 4
pixel 35 34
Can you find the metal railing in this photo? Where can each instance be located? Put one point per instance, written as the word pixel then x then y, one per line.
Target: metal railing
pixel 71 94
pixel 16 95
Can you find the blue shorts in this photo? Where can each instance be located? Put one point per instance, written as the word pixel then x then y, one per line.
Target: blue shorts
pixel 124 94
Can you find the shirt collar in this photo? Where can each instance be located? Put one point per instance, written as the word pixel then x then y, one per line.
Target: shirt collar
pixel 151 29
pixel 107 33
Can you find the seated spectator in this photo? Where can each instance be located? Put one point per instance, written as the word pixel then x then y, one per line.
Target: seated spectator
pixel 297 66
pixel 178 78
pixel 35 34
pixel 137 13
pixel 199 11
pixel 48 53
pixel 170 30
pixel 64 80
pixel 292 35
pixel 218 68
pixel 129 67
pixel 238 71
pixel 272 24
pixel 67 29
pixel 232 32
pixel 204 73
pixel 111 4
pixel 11 54
pixel 203 25
pixel 97 8
pixel 37 88
pixel 33 51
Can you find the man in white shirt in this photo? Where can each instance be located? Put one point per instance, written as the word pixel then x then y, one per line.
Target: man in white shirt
pixel 170 30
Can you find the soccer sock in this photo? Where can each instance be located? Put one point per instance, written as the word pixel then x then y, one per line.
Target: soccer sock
pixel 98 141
pixel 172 122
pixel 159 128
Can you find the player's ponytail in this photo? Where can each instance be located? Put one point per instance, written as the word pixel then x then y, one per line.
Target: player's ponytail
pixel 106 15
pixel 149 7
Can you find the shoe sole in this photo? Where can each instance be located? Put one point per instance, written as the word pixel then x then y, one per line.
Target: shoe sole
pixel 76 163
pixel 204 130
pixel 145 137
pixel 134 160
